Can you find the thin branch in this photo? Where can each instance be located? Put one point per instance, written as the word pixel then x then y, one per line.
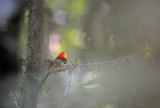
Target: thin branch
pixel 118 60
pixel 66 89
pixel 75 65
pixel 18 103
pixel 54 70
pixel 45 78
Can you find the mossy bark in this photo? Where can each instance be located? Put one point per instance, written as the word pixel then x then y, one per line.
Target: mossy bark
pixel 30 88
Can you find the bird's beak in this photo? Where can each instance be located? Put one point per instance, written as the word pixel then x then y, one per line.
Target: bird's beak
pixel 65 55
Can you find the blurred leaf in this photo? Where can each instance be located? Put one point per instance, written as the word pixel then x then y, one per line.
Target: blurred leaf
pixel 77 7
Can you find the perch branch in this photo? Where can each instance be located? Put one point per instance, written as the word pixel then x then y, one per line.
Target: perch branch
pixel 64 68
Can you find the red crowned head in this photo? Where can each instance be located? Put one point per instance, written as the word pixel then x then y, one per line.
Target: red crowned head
pixel 62 55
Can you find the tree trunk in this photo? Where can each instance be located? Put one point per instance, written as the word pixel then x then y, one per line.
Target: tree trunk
pixel 30 88
pixel 93 8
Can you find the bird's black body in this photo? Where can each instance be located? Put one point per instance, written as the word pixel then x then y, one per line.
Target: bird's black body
pixel 64 60
pixel 58 61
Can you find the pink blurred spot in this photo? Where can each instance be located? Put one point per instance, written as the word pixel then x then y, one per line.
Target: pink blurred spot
pixel 54 42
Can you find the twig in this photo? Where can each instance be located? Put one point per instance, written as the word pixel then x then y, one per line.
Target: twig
pixel 67 87
pixel 45 78
pixel 55 70
pixel 64 68
pixel 114 61
pixel 18 103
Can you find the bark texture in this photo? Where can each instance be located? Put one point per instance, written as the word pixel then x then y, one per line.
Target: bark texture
pixel 30 89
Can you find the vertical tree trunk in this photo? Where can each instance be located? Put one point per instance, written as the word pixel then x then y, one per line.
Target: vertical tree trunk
pixel 93 8
pixel 34 49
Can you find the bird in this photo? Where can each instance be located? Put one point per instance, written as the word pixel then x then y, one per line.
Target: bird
pixel 60 59
pixel 62 56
